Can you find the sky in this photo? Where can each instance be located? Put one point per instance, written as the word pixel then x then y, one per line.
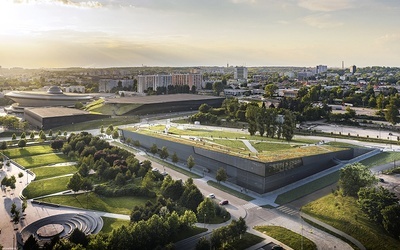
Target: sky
pixel 130 33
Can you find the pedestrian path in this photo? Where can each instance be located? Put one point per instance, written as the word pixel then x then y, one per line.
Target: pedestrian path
pixel 249 146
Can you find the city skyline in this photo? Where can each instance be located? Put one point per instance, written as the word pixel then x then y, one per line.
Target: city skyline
pixel 122 33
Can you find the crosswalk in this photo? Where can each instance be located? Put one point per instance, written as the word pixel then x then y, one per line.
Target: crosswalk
pixel 287 210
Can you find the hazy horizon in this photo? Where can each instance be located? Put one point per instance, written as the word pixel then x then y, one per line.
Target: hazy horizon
pixel 186 33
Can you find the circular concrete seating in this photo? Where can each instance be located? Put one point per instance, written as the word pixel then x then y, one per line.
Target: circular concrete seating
pixel 62 225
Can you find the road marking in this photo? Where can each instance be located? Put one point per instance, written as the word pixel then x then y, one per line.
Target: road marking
pixel 287 210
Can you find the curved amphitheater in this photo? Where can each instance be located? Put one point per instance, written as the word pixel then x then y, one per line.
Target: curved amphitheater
pixel 62 225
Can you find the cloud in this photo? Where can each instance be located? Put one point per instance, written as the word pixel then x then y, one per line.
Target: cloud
pixel 325 5
pixel 80 4
pixel 321 21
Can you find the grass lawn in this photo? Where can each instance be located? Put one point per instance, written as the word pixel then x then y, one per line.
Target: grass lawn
pixel 308 188
pixel 382 158
pixel 112 223
pixel 28 151
pixel 287 237
pixel 120 205
pixel 268 146
pixel 343 144
pixel 344 214
pixel 232 143
pixel 47 186
pixel 42 160
pixel 230 191
pixel 48 172
pixel 219 134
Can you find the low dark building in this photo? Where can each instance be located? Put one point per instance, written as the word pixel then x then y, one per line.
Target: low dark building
pixel 154 104
pixel 47 118
pixel 252 174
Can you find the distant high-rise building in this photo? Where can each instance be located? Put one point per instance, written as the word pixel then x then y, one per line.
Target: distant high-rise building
pixel 342 64
pixel 240 73
pixel 353 69
pixel 321 69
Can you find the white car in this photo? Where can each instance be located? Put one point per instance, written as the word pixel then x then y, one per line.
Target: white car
pixel 212 196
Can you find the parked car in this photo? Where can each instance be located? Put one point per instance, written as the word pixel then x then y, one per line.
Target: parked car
pixel 224 202
pixel 212 196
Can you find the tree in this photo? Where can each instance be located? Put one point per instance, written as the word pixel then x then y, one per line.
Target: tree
pixel 57 144
pixel 204 108
pixel 115 134
pixel 31 243
pixel 13 137
pixel 154 148
pixel 22 143
pixel 24 206
pixel 392 113
pixel 3 145
pixel 218 87
pixel 75 182
pixel 102 129
pixel 43 136
pixel 83 170
pixel 32 135
pixel 353 177
pixel 148 180
pixel 79 237
pixel 221 175
pixel 289 123
pixel 188 219
pixel 203 244
pixel 391 219
pixel 164 153
pixel 50 133
pixel 23 135
pixel 206 210
pixel 120 179
pixel 373 200
pixel 270 90
pixel 174 158
pixel 190 162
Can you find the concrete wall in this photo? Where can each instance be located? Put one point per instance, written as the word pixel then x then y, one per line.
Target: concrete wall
pixel 251 174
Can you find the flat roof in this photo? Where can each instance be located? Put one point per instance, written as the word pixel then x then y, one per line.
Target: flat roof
pixel 56 112
pixel 161 98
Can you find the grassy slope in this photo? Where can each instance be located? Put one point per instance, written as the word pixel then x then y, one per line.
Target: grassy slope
pixel 42 160
pixel 308 188
pixel 120 205
pixel 289 238
pixel 382 158
pixel 47 186
pixel 112 223
pixel 48 172
pixel 27 151
pixel 344 214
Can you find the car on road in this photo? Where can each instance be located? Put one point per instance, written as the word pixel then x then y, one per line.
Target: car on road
pixel 224 202
pixel 212 196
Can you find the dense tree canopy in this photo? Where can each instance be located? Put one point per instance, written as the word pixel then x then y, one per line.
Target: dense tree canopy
pixel 353 177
